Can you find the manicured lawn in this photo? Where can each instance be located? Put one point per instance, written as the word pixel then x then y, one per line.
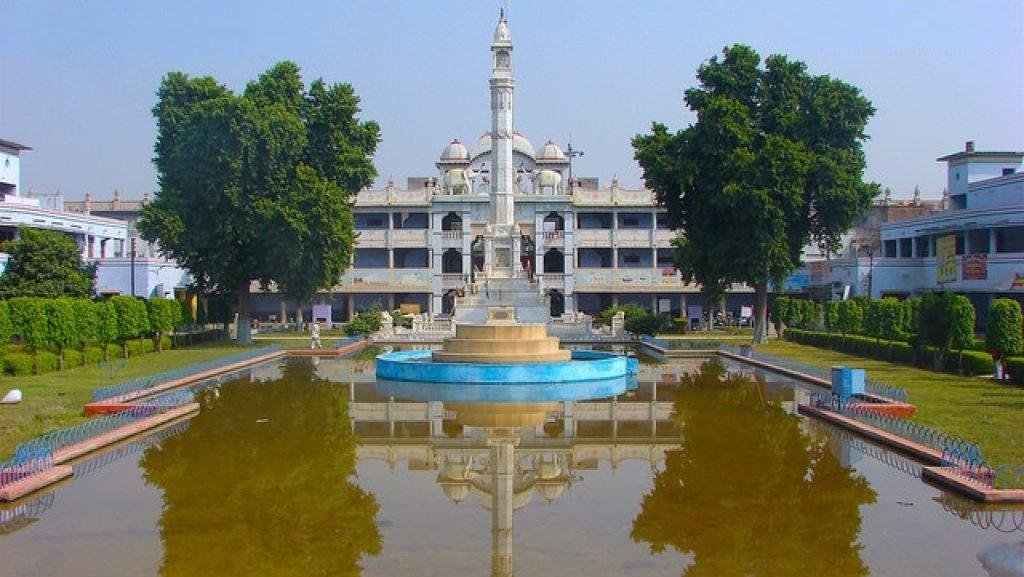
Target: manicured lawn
pixel 55 400
pixel 976 408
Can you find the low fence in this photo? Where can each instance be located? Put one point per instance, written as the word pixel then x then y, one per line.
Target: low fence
pixel 140 384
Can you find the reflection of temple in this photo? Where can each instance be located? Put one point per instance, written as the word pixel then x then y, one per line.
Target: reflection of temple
pixel 503 455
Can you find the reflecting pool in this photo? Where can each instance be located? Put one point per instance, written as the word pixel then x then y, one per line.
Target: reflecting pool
pixel 303 468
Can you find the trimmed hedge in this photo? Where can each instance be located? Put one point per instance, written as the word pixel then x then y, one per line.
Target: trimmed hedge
pixel 72 358
pixel 18 364
pixel 975 362
pixel 1015 368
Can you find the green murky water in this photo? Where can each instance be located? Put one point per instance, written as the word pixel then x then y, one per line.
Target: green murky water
pixel 303 469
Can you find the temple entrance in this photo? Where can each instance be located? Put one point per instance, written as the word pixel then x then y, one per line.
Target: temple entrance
pixel 476 251
pixel 448 301
pixel 557 300
pixel 528 256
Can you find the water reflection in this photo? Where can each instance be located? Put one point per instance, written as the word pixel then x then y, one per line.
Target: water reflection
pixel 261 484
pixel 749 492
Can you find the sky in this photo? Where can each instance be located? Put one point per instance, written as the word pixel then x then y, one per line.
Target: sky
pixel 78 78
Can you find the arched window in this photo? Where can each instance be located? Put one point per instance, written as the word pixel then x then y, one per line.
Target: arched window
pixel 554 261
pixel 451 261
pixel 451 221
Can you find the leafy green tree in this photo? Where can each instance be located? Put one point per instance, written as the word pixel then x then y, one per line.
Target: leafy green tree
pixel 63 326
pixel 279 494
pixel 831 315
pixel 28 315
pixel 6 326
pixel 1004 332
pixel 132 319
pixel 87 322
pixel 774 161
pixel 933 321
pixel 108 331
pixel 164 316
pixel 256 187
pixel 961 330
pixel 45 263
pixel 629 310
pixel 746 481
pixel 887 319
pixel 850 317
pixel 780 314
pixel 910 306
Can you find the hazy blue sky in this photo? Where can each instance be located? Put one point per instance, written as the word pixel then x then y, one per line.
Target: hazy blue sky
pixel 77 78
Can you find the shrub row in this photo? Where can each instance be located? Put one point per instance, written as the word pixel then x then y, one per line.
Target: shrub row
pixel 974 362
pixel 17 360
pixel 1015 368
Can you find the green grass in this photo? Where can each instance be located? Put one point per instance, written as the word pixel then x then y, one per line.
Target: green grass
pixel 55 400
pixel 976 408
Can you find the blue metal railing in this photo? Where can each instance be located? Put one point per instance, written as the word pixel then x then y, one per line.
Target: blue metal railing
pixel 143 383
pixel 916 432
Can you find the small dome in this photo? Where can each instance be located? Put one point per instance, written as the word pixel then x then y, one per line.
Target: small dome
pixel 550 152
pixel 519 144
pixel 548 470
pixel 550 491
pixel 455 152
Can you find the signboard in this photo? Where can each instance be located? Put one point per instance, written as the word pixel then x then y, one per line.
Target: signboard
pixel 976 267
pixel 1018 281
pixel 945 259
pixel 322 314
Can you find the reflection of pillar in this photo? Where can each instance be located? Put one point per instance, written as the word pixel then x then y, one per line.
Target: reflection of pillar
pixel 503 468
pixel 351 306
pixel 284 308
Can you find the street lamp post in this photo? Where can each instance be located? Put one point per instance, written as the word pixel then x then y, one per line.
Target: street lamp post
pixel 571 153
pixel 132 256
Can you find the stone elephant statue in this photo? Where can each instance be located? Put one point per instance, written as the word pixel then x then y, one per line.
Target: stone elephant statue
pixel 543 179
pixel 459 181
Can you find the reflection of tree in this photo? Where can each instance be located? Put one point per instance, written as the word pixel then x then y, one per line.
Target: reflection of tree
pixel 243 496
pixel 748 493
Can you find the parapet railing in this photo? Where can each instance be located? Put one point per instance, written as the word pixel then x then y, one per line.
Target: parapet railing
pixel 143 383
pixel 871 386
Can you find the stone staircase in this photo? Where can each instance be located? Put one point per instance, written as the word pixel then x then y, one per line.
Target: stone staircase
pixel 519 293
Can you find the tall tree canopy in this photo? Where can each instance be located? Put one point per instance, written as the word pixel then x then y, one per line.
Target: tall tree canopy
pixel 256 187
pixel 774 161
pixel 747 482
pixel 45 263
pixel 263 483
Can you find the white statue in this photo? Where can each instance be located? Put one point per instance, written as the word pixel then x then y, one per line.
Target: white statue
pixel 314 333
pixel 545 179
pixel 459 181
pixel 387 324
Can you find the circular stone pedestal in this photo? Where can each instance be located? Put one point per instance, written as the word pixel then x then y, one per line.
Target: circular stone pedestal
pixel 500 343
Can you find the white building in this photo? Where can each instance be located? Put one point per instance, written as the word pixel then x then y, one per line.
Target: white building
pixel 103 240
pixel 504 210
pixel 975 247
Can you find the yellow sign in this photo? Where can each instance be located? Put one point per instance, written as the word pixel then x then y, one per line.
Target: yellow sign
pixel 945 259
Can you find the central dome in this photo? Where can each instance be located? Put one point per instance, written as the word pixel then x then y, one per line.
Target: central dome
pixel 519 144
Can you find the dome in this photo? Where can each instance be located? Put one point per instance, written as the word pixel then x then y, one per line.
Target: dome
pixel 550 153
pixel 550 491
pixel 519 144
pixel 455 152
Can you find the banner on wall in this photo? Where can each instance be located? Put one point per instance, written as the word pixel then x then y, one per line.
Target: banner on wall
pixel 945 259
pixel 820 271
pixel 976 267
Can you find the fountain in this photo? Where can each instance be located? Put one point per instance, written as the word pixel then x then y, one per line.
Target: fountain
pixel 504 351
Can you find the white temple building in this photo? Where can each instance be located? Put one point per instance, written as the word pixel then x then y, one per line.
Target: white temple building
pixel 502 215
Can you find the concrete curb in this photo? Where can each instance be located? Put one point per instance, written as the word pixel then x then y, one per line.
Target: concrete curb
pixel 35 482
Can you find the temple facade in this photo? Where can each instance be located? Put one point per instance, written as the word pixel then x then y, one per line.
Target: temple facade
pixel 502 212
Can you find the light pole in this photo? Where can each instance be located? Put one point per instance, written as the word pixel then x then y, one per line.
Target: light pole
pixel 571 153
pixel 133 265
pixel 871 265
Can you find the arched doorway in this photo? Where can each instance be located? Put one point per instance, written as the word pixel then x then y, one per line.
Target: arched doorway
pixel 476 251
pixel 557 300
pixel 451 221
pixel 448 301
pixel 528 255
pixel 451 261
pixel 553 221
pixel 554 261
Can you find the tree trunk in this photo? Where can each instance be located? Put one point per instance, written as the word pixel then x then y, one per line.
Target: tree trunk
pixel 299 321
pixel 760 312
pixel 60 359
pixel 159 342
pixel 243 329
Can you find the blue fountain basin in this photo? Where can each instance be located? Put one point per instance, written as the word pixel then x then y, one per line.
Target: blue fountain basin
pixel 584 366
